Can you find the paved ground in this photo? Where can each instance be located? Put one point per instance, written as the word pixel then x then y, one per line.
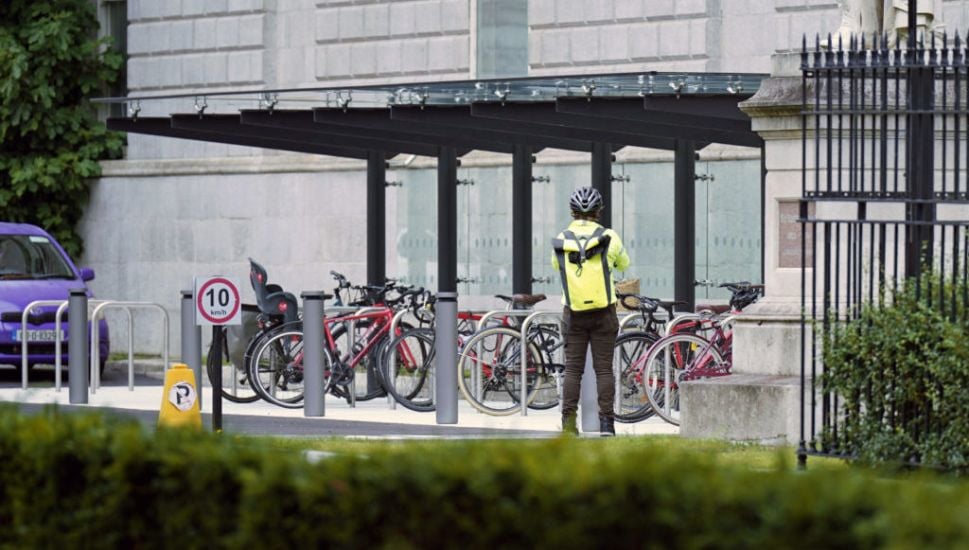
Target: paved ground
pixel 369 419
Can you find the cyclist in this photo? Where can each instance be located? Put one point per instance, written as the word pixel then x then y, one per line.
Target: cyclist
pixel 585 255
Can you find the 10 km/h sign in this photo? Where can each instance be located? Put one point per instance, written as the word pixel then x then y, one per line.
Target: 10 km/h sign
pixel 217 301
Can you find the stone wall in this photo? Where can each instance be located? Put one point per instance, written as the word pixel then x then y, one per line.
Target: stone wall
pixel 174 208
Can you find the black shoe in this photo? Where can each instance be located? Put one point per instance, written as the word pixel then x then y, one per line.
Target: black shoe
pixel 607 427
pixel 569 424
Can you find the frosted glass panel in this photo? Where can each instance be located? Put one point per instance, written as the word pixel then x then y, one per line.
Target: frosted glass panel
pixel 728 240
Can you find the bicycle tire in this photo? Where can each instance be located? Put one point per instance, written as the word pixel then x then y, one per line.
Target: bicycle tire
pixel 631 351
pixel 680 352
pixel 276 369
pixel 412 383
pixel 498 361
pixel 547 340
pixel 368 364
pixel 237 386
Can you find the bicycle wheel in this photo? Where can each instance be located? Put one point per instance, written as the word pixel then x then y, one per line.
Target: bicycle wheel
pixel 548 340
pixel 630 356
pixel 489 371
pixel 408 365
pixel 276 370
pixel 235 381
pixel 669 362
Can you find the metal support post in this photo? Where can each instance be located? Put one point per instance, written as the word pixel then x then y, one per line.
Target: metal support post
pixel 521 220
pixel 446 340
pixel 684 223
pixel 314 402
pixel 218 333
pixel 77 346
pixel 191 340
pixel 376 218
pixel 602 178
pixel 589 397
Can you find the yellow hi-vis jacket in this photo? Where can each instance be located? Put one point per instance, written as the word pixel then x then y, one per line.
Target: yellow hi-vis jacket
pixel 585 256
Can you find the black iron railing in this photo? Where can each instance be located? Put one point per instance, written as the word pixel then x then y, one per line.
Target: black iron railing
pixel 885 196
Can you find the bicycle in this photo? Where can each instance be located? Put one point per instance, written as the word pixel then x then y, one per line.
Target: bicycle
pixel 630 354
pixel 489 365
pixel 274 308
pixel 682 357
pixel 278 365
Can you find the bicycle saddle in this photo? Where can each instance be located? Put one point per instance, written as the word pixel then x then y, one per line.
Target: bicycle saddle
pixel 669 305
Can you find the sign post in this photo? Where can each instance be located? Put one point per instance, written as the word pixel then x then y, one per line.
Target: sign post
pixel 217 303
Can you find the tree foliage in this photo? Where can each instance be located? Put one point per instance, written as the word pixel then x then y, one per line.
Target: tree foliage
pixel 51 61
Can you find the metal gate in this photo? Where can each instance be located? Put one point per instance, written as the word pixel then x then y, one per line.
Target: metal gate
pixel 884 196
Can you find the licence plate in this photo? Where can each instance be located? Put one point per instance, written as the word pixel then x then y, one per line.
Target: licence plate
pixel 37 335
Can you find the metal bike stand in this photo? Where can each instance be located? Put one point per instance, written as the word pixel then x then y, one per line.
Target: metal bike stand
pixel 353 342
pixel 476 382
pixel 25 337
pixel 671 324
pixel 524 361
pixel 95 330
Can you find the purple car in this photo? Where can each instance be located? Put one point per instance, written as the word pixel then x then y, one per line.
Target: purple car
pixel 33 266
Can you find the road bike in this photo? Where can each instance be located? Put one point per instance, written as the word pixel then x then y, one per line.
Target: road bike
pixel 630 355
pixel 277 367
pixel 682 357
pixel 490 364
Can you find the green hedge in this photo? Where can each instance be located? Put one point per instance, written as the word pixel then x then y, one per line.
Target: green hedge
pixel 901 371
pixel 82 481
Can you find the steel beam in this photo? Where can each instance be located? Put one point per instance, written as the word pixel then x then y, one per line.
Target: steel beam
pixel 521 220
pixel 378 120
pixel 162 127
pixel 376 218
pixel 232 125
pixel 446 342
pixel 447 120
pixel 684 224
pixel 518 118
pixel 303 120
pixel 545 113
pixel 720 107
pixel 635 109
pixel 602 179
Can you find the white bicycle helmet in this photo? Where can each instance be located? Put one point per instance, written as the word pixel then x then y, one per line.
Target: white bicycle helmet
pixel 585 200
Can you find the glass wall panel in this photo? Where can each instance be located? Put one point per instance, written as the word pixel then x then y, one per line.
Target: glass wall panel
pixel 728 240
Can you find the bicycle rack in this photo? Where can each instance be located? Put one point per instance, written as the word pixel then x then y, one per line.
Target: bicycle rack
pixel 351 330
pixel 525 324
pixel 392 357
pixel 95 333
pixel 25 337
pixel 483 324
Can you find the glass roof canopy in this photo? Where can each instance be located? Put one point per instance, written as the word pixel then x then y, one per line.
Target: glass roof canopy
pixel 464 92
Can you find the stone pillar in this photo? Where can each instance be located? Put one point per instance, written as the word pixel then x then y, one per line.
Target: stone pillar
pixel 761 399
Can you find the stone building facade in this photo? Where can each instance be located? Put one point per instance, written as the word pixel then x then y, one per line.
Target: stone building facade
pixel 173 209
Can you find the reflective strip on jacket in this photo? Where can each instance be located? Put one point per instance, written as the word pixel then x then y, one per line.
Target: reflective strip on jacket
pixel 589 285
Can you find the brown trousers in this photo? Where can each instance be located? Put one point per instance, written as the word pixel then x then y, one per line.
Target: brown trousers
pixel 582 328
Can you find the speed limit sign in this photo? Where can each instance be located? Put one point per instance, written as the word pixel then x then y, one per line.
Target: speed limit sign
pixel 217 301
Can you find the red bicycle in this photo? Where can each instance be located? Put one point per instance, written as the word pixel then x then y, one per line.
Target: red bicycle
pixel 277 367
pixel 682 357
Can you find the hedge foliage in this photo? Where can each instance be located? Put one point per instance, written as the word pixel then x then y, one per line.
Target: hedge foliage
pixel 71 480
pixel 901 371
pixel 50 139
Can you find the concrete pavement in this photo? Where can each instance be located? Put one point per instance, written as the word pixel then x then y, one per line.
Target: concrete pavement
pixel 368 419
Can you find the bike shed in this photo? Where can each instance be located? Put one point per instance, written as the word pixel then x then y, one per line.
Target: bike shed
pixel 598 114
